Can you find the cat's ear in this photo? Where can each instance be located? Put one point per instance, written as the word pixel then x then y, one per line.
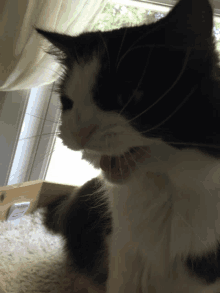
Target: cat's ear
pixel 60 41
pixel 190 22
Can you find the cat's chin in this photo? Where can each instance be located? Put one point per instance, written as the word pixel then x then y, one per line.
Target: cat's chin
pixel 116 178
pixel 119 169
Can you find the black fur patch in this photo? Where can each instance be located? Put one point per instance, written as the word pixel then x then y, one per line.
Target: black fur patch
pixel 206 267
pixel 51 216
pixel 85 226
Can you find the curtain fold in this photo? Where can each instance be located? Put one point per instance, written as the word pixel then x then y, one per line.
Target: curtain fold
pixel 23 63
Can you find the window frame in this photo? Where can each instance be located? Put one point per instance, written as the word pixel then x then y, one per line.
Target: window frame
pixel 26 166
pixel 44 107
pixel 12 110
pixel 163 5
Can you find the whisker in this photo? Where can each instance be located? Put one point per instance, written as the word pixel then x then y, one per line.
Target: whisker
pixel 106 138
pixel 172 86
pixel 144 35
pixel 191 228
pixel 159 25
pixel 157 46
pixel 195 144
pixel 140 190
pixel 174 142
pixel 152 46
pixel 120 168
pixel 76 55
pixel 132 159
pixel 121 47
pixel 106 48
pixel 58 122
pixel 138 83
pixel 149 153
pixel 39 135
pixel 176 110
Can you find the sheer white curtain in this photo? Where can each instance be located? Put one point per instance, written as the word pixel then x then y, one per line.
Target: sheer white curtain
pixel 23 63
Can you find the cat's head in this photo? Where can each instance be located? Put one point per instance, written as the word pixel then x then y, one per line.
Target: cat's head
pixel 142 86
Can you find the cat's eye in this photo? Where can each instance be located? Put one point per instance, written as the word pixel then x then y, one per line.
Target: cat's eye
pixel 66 102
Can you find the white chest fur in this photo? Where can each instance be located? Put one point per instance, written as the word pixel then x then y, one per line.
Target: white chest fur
pixel 160 218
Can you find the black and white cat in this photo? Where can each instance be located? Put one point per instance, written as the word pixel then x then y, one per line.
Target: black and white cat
pixel 143 103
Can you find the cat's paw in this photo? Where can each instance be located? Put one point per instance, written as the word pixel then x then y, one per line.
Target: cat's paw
pixel 52 215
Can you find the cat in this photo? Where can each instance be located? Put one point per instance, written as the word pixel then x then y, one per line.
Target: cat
pixel 143 104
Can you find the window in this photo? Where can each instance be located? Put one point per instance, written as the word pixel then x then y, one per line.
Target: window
pixel 12 110
pixel 37 136
pixel 38 153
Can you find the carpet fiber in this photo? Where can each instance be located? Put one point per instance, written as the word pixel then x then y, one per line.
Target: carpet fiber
pixel 31 259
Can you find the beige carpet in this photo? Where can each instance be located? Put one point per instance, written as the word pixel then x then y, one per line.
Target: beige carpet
pixel 31 259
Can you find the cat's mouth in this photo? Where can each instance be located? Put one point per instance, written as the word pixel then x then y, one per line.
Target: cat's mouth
pixel 120 167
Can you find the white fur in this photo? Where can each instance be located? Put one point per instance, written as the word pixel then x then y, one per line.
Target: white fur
pixel 163 219
pixel 168 208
